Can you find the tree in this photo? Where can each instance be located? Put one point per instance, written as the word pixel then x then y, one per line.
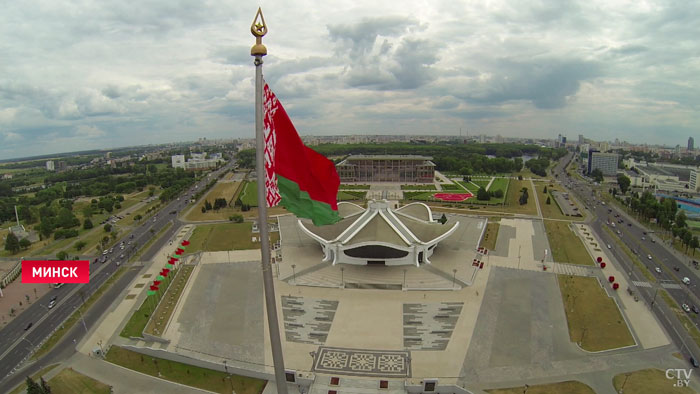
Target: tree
pixel 681 219
pixel 62 255
pixel 24 243
pixel 87 224
pixel 483 195
pixel 624 182
pixel 597 175
pixel 544 190
pixel 687 238
pixel 549 200
pixel 694 243
pixel 108 227
pixel 79 245
pixel 44 386
pixel 207 205
pixel 33 387
pixel 498 193
pixel 12 243
pixel 236 218
pixel 204 210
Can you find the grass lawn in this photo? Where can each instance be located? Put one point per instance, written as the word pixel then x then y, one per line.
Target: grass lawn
pixel 566 245
pixel 568 387
pixel 354 187
pixel 22 388
pixel 138 320
pixel 499 184
pixel 249 195
pixel 418 187
pixel 451 187
pixel 594 320
pixel 647 381
pixel 351 195
pixel 225 236
pixel 490 235
pixel 552 210
pixel 481 182
pixel 75 317
pixel 227 190
pixel 206 379
pixel 69 381
pixel 513 198
pixel 172 294
pixel 471 187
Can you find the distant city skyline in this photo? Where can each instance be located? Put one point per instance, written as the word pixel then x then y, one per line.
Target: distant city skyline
pixel 100 75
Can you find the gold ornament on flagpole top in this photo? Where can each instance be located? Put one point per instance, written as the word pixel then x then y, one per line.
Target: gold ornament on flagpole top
pixel 259 29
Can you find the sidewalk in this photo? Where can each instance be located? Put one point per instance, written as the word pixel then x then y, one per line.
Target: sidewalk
pixel 114 320
pixel 17 292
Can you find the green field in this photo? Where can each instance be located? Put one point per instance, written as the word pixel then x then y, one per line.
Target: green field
pixel 566 245
pixel 469 186
pixel 69 381
pixel 647 381
pixel 569 387
pixel 351 195
pixel 225 236
pixel 189 375
pixel 418 187
pixel 594 320
pixel 249 195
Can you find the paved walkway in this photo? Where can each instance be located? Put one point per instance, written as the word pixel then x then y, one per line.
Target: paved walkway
pixel 17 292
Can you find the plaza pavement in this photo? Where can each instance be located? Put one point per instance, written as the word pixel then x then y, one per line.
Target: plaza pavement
pixel 511 327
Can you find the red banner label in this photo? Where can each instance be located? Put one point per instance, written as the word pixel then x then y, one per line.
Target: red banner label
pixel 55 271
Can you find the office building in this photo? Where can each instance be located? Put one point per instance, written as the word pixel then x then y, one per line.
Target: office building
pixel 605 162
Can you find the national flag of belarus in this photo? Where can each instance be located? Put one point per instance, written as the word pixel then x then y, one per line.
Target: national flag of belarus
pixel 304 181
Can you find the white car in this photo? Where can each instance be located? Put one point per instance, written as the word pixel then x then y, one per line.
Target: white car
pixel 105 252
pixel 609 247
pixel 649 256
pixel 52 303
pixel 686 308
pixel 657 269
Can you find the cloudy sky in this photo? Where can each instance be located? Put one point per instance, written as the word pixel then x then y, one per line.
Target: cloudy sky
pixel 105 73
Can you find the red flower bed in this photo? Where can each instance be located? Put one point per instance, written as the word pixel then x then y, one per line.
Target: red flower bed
pixel 452 196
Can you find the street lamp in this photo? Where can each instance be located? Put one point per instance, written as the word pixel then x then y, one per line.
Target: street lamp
pixel 454 277
pixel 294 275
pixel 81 318
pixel 342 278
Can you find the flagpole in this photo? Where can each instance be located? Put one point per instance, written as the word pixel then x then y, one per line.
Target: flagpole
pixel 259 29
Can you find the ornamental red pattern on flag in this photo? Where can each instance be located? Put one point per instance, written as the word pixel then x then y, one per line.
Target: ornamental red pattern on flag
pixel 270 105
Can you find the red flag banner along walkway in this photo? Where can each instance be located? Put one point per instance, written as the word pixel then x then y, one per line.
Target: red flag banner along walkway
pixel 453 196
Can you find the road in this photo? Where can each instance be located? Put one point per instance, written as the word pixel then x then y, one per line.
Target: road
pixel 651 252
pixel 17 342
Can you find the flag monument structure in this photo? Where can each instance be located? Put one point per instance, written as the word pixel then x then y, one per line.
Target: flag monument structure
pixel 259 29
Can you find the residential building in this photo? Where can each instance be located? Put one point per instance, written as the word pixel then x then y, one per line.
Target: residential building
pixel 50 165
pixel 694 183
pixel 691 144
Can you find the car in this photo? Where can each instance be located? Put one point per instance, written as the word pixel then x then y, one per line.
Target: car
pixel 629 224
pixel 686 308
pixel 657 269
pixel 644 238
pixel 609 247
pixel 173 212
pixel 695 309
pixel 649 256
pixel 676 269
pixel 653 241
pixel 54 298
pixel 618 232
pixel 121 257
pixel 105 252
pixel 52 303
pixel 685 280
pixel 645 233
pixel 29 325
pixel 111 250
pixel 694 362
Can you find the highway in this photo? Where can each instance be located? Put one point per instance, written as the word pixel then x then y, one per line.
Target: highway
pixel 644 244
pixel 17 344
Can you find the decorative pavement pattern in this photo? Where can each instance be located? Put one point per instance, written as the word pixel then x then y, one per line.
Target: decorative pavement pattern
pixel 358 362
pixel 429 326
pixel 307 320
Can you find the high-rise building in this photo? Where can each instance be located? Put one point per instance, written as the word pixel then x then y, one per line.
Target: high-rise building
pixel 581 140
pixel 694 181
pixel 691 143
pixel 50 165
pixel 605 162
